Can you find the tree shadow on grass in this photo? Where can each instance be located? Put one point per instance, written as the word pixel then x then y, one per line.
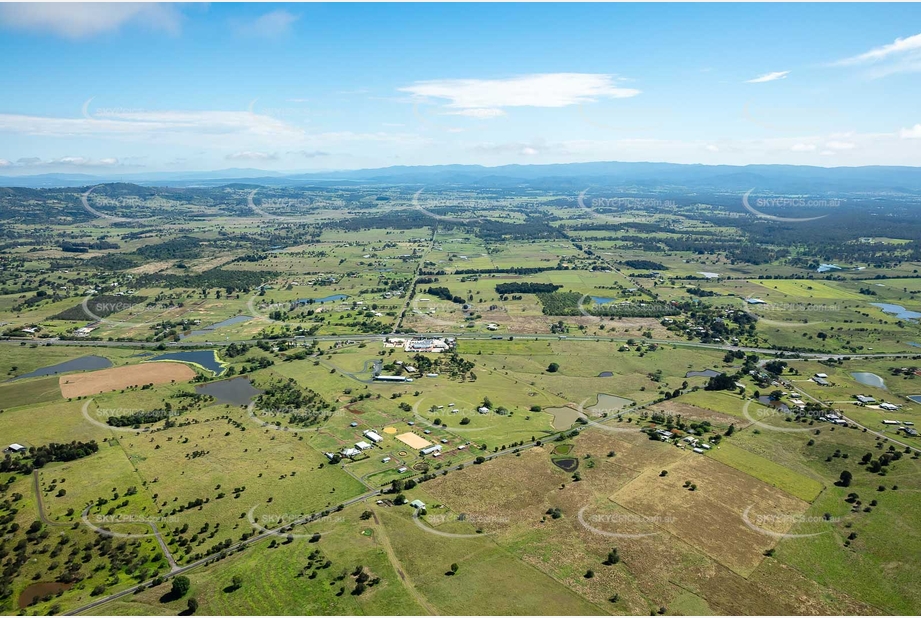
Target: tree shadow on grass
pixel 170 596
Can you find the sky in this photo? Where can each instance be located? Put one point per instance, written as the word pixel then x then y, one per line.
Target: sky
pixel 140 88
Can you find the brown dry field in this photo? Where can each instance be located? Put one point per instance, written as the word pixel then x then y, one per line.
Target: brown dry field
pixel 149 268
pixel 710 518
pixel 531 323
pixel 117 378
pixel 655 571
pixel 413 440
pixel 691 413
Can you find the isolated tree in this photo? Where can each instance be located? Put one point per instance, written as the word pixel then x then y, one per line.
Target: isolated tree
pixel 236 582
pixel 553 368
pixel 845 478
pixel 192 605
pixel 181 585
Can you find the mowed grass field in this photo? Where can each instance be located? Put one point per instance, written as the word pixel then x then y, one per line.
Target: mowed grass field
pixel 766 470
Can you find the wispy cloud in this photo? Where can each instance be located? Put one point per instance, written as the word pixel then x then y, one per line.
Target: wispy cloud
pixel 899 47
pixel 80 20
pixel 478 112
pixel 68 161
pixel 149 123
pixel 486 97
pixel 900 56
pixel 270 25
pixel 768 77
pixel 310 154
pixel 250 155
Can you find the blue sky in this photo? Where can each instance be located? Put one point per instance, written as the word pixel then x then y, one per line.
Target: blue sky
pixel 288 87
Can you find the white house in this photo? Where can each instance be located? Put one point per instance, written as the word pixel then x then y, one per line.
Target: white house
pixel 373 436
pixel 362 446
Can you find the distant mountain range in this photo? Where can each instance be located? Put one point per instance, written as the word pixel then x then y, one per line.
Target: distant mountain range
pixel 568 176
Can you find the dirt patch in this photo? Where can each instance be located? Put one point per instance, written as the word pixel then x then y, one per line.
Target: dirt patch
pixel 710 518
pixel 37 592
pixel 117 378
pixel 414 441
pixel 691 414
pixel 152 267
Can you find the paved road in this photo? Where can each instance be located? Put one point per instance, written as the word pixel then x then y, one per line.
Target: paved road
pixel 203 561
pixel 279 531
pixel 460 336
pixel 853 422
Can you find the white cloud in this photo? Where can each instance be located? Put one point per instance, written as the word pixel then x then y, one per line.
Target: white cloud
pixel 768 77
pixel 272 24
pixel 78 20
pixel 311 154
pixel 800 147
pixel 478 112
pixel 713 148
pixel 5 163
pixel 901 56
pixel 249 155
pixel 899 47
pixel 516 148
pixel 68 161
pixel 150 124
pixel 838 145
pixel 911 133
pixel 537 90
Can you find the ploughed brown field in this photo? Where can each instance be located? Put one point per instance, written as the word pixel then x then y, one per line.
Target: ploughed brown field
pixel 117 378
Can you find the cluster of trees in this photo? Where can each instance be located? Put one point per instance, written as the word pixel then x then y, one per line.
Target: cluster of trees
pixel 303 405
pixel 445 294
pixel 645 265
pixel 38 456
pixel 525 287
pixel 559 303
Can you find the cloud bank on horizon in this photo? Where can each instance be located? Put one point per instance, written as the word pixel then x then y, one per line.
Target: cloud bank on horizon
pixel 158 87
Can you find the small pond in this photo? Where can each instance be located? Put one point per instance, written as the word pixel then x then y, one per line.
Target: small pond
pixel 237 319
pixel 39 591
pixel 869 379
pixel 204 358
pixel 569 464
pixel 309 301
pixel 563 417
pixel 706 373
pixel 898 311
pixel 236 391
pixel 610 404
pixel 84 363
